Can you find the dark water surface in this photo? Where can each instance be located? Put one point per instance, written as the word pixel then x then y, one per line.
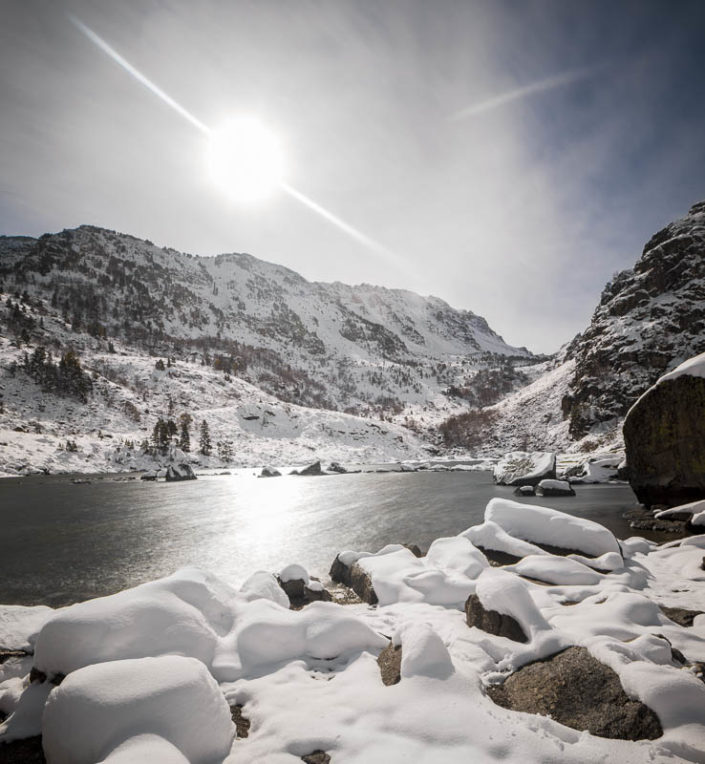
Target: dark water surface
pixel 61 542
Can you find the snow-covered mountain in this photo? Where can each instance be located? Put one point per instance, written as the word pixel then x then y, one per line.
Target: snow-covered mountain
pixel 234 332
pixel 649 320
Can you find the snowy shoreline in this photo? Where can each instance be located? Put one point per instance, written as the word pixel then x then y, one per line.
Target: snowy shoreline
pixel 181 652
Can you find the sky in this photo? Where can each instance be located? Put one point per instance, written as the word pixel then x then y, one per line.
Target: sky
pixel 506 156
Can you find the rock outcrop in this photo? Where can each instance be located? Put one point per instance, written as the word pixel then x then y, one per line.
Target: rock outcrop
pixel 649 318
pixel 664 436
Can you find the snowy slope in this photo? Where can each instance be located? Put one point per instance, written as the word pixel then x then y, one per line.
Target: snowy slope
pixel 235 332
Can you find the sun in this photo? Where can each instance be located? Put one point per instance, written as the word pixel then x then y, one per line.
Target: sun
pixel 245 160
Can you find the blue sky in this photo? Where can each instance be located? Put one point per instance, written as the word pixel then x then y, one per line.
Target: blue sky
pixel 511 156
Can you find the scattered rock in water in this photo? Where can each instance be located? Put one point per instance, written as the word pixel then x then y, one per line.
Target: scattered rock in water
pixel 269 472
pixel 389 662
pixel 492 622
pixel 316 757
pixel 151 476
pixel 524 490
pixel 6 655
pixel 680 615
pixel 312 469
pixel 643 519
pixel 179 472
pixel 242 723
pixel 337 467
pixel 577 690
pixel 523 468
pixel 665 442
pixel 554 488
pixel 26 751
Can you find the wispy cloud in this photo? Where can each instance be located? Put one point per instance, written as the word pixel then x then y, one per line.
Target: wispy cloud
pixel 548 83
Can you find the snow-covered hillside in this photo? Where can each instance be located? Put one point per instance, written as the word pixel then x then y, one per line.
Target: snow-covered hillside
pixel 283 370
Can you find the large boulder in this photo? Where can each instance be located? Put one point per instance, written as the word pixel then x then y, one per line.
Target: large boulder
pixel 579 691
pixel 524 468
pixel 664 437
pixel 177 472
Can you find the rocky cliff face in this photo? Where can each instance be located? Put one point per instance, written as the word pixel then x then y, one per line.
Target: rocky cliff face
pixel 650 319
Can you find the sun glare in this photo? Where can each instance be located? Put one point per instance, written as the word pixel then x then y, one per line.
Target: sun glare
pixel 245 160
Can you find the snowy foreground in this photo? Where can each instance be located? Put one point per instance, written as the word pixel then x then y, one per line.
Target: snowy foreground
pixel 151 673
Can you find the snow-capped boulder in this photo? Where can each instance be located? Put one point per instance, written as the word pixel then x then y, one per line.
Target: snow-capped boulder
pixel 554 488
pixel 181 471
pixel 168 707
pixel 269 472
pixel 665 439
pixel 520 529
pixel 524 468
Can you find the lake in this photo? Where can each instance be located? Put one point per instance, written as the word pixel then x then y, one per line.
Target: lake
pixel 61 542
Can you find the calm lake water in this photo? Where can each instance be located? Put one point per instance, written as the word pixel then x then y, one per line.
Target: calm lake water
pixel 61 542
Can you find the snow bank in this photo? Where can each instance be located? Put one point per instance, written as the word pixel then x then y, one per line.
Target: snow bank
pixel 539 525
pixel 109 706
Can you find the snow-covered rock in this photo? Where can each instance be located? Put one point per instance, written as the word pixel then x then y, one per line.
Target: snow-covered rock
pixel 522 468
pixel 554 488
pixel 518 529
pixel 130 710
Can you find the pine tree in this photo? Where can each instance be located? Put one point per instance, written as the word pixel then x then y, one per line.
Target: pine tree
pixel 205 440
pixel 184 435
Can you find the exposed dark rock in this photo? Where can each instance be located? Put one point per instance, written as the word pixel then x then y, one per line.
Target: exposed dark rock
pixel 361 584
pixel 337 467
pixel 575 689
pixel 178 472
pixel 664 438
pixel 643 519
pixel 389 662
pixel 7 654
pixel 269 472
pixel 316 757
pixel 496 558
pixel 35 675
pixel 680 615
pixel 340 572
pixel 26 751
pixel 242 723
pixel 151 476
pixel 414 549
pixel 491 621
pixel 312 469
pixel 300 594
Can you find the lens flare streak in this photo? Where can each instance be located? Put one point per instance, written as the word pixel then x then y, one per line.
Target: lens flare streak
pixel 179 109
